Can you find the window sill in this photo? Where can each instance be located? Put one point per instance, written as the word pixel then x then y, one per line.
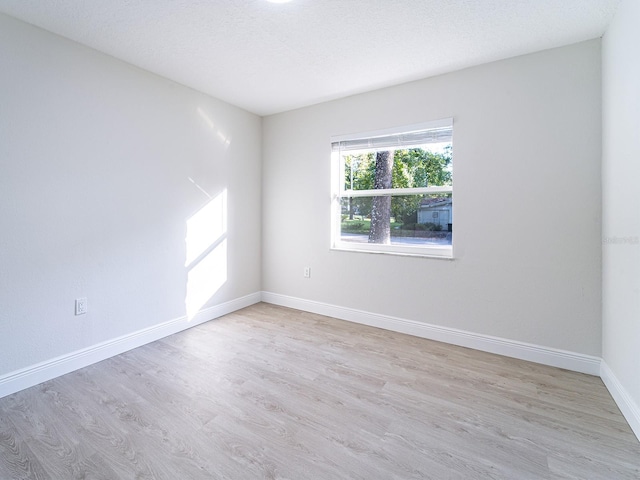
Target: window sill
pixel 440 253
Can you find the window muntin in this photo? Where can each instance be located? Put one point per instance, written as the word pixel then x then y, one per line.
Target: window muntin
pixel 405 173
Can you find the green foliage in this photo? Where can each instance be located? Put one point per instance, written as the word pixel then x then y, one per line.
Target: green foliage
pixel 406 208
pixel 412 168
pixel 418 168
pixel 362 226
pixel 429 227
pixel 421 168
pixel 359 175
pixel 422 227
pixel 409 217
pixel 354 226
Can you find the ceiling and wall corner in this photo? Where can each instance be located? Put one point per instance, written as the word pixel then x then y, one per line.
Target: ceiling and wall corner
pixel 268 58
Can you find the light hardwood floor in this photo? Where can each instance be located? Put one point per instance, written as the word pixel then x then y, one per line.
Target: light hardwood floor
pixel 269 392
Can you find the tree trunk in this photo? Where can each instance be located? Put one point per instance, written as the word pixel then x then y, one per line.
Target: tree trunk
pixel 381 209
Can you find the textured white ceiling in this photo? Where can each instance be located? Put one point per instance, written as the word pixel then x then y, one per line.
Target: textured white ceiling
pixel 268 58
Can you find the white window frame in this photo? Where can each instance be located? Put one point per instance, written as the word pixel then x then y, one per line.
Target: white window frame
pixel 338 191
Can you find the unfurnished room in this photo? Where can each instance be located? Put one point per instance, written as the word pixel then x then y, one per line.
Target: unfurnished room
pixel 320 239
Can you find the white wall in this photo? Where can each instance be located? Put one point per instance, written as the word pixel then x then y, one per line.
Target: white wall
pixel 621 200
pixel 101 166
pixel 527 143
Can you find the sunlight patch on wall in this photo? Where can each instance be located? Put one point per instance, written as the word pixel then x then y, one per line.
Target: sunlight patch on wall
pixel 206 253
pixel 205 278
pixel 219 134
pixel 206 226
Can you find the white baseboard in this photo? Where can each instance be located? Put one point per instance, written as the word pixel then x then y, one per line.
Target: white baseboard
pixel 41 372
pixel 576 362
pixel 629 408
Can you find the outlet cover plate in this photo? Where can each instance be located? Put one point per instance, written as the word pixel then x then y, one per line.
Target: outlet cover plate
pixel 81 306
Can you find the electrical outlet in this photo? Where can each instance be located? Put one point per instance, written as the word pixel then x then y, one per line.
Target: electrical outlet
pixel 81 306
pixel 307 272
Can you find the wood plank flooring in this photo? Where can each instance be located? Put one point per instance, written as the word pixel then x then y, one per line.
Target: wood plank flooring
pixel 274 393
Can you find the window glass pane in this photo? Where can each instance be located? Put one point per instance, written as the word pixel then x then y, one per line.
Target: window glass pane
pixel 426 166
pixel 418 220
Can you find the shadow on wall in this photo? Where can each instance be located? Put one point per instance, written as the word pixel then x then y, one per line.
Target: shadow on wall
pixel 206 253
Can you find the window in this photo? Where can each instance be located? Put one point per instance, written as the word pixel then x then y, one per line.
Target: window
pixel 392 190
